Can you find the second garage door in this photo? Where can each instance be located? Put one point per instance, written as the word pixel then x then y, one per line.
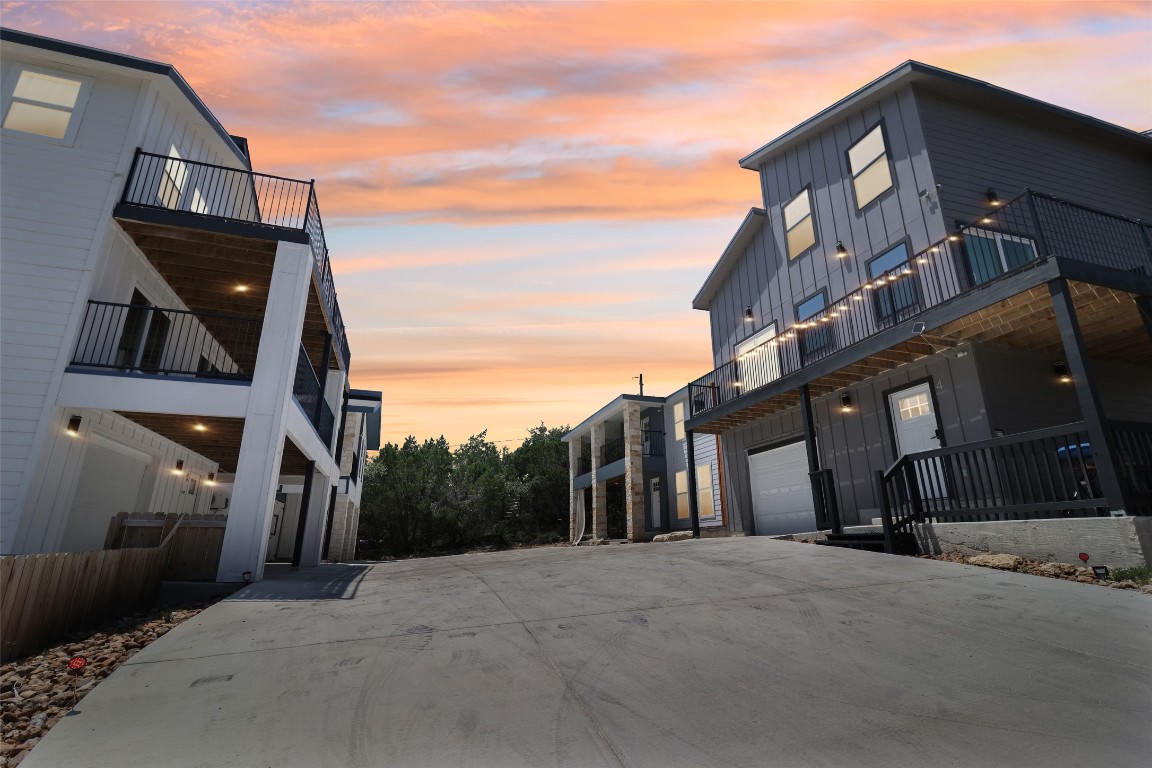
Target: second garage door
pixel 781 490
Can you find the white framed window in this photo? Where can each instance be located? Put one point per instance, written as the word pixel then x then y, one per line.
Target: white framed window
pixel 45 103
pixel 914 406
pixel 682 511
pixel 172 180
pixel 758 359
pixel 799 223
pixel 678 420
pixel 868 163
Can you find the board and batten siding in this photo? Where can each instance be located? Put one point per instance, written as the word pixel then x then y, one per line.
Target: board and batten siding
pixel 855 445
pixel 766 280
pixel 56 202
pixel 974 147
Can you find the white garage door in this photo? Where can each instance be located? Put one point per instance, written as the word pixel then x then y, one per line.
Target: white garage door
pixel 109 483
pixel 781 491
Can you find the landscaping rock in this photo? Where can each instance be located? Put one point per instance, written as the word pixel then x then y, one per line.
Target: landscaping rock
pixel 1003 562
pixel 674 536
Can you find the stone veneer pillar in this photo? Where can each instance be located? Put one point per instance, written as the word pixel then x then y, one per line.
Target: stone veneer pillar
pixel 634 471
pixel 599 487
pixel 573 471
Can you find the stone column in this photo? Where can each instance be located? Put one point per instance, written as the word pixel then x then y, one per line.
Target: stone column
pixel 599 487
pixel 634 471
pixel 317 520
pixel 353 531
pixel 341 520
pixel 573 472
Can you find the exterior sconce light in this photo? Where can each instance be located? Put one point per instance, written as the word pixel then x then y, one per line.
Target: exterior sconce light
pixel 74 425
pixel 845 402
pixel 241 288
pixel 748 316
pixel 1061 370
pixel 200 427
pixel 993 198
pixel 841 251
pixel 247 577
pixel 179 467
pixel 211 478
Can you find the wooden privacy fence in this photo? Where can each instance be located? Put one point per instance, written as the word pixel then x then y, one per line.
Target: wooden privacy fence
pixel 193 551
pixel 44 597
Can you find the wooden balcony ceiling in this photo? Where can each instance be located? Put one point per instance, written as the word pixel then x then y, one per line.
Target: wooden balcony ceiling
pixel 206 268
pixel 218 441
pixel 1109 322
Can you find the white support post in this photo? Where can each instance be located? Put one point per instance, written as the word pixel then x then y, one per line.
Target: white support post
pixel 262 443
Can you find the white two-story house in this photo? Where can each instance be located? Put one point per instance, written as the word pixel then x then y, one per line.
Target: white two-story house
pixel 172 342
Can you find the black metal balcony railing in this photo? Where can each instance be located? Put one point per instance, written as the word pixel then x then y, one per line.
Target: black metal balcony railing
pixel 612 450
pixel 652 442
pixel 1031 227
pixel 131 337
pixel 237 194
pixel 584 464
pixel 310 395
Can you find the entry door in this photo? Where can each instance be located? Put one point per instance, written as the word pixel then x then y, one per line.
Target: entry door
pixel 917 428
pixel 654 510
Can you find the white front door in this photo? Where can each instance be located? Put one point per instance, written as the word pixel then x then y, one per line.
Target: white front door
pixel 917 428
pixel 654 503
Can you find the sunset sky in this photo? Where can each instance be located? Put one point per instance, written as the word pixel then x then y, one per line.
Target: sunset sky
pixel 521 199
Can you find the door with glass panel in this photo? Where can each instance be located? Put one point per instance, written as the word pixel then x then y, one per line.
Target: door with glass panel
pixel 916 426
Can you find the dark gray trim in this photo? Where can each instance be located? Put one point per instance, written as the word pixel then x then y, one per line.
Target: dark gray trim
pixel 302 518
pixel 185 220
pixel 808 190
pixel 1117 279
pixel 850 178
pixel 693 501
pixel 729 255
pixel 9 35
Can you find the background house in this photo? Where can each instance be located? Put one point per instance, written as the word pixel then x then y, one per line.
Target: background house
pixel 172 342
pixel 941 266
pixel 633 454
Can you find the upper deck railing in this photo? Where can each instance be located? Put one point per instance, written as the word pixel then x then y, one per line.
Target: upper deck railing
pixel 236 194
pixel 1006 240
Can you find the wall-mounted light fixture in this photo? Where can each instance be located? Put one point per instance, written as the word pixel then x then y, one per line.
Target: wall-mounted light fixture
pixel 74 425
pixel 211 478
pixel 241 288
pixel 748 316
pixel 199 427
pixel 1060 369
pixel 179 470
pixel 841 250
pixel 845 402
pixel 993 198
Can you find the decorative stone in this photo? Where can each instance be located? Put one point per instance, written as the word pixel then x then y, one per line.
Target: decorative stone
pixel 673 536
pixel 1003 562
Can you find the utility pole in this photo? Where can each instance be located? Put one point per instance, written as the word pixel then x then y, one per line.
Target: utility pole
pixel 641 377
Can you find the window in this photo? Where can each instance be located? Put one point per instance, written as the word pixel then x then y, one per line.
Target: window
pixel 758 361
pixel 868 162
pixel 894 300
pixel 799 226
pixel 816 341
pixel 46 104
pixel 914 406
pixel 704 503
pixel 678 419
pixel 991 254
pixel 172 182
pixel 682 511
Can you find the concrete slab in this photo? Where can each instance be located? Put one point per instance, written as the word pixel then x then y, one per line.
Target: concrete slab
pixel 721 652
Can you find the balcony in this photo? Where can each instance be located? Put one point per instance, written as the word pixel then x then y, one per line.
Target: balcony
pixel 170 342
pixel 998 263
pixel 309 393
pixel 206 224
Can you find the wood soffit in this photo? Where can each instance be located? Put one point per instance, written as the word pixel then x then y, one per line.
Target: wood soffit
pixel 204 268
pixel 1110 324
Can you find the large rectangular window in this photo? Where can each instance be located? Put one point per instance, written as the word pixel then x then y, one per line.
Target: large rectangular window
pixel 682 511
pixel 815 341
pixel 678 420
pixel 799 223
pixel 895 299
pixel 757 360
pixel 46 104
pixel 991 254
pixel 704 503
pixel 868 163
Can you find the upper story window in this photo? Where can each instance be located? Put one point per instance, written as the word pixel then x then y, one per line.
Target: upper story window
pixel 868 162
pixel 172 182
pixel 758 361
pixel 678 420
pixel 799 224
pixel 46 104
pixel 817 339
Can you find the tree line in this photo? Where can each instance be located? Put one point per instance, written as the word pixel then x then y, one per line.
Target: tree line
pixel 424 497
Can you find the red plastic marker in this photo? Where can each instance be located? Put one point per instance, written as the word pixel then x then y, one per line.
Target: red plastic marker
pixel 1083 557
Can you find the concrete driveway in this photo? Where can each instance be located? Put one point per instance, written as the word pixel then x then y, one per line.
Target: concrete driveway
pixel 724 652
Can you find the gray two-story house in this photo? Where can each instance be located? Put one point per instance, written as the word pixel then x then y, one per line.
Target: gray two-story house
pixel 942 309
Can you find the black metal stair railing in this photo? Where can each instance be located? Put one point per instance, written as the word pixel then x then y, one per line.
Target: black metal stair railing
pixel 236 194
pixel 175 342
pixel 309 393
pixel 1029 228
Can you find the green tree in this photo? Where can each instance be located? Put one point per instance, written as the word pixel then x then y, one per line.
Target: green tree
pixel 540 469
pixel 403 503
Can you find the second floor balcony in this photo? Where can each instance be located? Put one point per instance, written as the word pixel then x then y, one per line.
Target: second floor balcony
pixel 932 301
pixel 206 225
